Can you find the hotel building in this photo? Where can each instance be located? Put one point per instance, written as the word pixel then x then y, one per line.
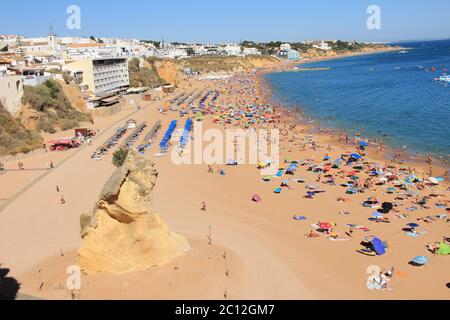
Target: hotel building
pixel 103 76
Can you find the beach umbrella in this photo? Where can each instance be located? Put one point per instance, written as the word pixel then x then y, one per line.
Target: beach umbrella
pixel 363 144
pixel 378 246
pixel 420 260
pixel 356 156
pixel 352 173
pixel 433 180
pixel 413 225
pixel 256 198
pixel 377 215
pixel 373 199
pixel 325 225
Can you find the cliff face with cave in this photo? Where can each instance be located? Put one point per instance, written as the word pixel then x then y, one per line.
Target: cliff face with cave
pixel 123 235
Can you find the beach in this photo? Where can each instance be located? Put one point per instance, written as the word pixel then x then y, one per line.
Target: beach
pixel 241 249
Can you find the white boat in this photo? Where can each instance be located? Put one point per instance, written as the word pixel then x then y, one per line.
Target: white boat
pixel 403 52
pixel 443 78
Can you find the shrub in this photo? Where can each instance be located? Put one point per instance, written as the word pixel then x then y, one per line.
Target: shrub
pixel 119 157
pixel 85 220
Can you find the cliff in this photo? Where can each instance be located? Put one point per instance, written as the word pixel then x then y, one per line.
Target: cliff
pixel 151 72
pixel 123 235
pixel 47 107
pixel 14 137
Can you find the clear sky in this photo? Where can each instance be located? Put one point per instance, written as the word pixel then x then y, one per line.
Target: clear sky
pixel 231 20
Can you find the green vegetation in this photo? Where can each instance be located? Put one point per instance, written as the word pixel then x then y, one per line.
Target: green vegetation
pixel 53 107
pixel 96 40
pixel 341 46
pixel 144 76
pixel 85 220
pixel 119 157
pixel 157 44
pixel 14 138
pixel 271 48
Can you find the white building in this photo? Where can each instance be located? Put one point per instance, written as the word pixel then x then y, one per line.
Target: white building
pixel 232 50
pixel 285 47
pixel 251 52
pixel 43 46
pixel 322 46
pixel 81 51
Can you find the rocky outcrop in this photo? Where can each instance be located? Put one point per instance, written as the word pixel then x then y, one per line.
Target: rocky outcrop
pixel 123 235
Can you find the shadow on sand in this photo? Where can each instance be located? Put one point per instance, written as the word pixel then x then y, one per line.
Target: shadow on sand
pixel 9 287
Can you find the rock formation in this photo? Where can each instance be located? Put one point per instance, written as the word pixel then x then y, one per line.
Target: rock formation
pixel 123 235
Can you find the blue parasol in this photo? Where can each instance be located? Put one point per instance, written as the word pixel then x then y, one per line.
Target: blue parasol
pixel 420 260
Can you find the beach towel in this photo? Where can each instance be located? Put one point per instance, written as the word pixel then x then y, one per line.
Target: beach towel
pixel 299 218
pixel 413 235
pixel 358 227
pixel 337 240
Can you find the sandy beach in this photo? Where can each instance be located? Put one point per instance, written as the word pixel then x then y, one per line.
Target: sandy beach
pixel 241 249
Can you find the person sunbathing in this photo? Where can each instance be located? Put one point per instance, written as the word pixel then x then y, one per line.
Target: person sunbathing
pixel 312 234
pixel 342 199
pixel 433 248
pixel 333 235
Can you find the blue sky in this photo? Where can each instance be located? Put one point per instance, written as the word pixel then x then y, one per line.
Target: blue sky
pixel 231 20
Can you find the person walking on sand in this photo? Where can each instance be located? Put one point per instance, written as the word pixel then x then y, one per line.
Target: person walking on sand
pixel 57 189
pixel 62 201
pixel 20 165
pixel 203 209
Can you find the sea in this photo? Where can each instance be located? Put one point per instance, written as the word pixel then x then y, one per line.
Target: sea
pixel 390 96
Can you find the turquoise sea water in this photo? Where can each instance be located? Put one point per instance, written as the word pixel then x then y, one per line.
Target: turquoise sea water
pixel 388 95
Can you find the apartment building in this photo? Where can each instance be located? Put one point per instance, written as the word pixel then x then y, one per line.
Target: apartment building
pixel 101 76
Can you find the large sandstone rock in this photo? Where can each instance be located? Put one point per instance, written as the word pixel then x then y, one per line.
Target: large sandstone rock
pixel 123 235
